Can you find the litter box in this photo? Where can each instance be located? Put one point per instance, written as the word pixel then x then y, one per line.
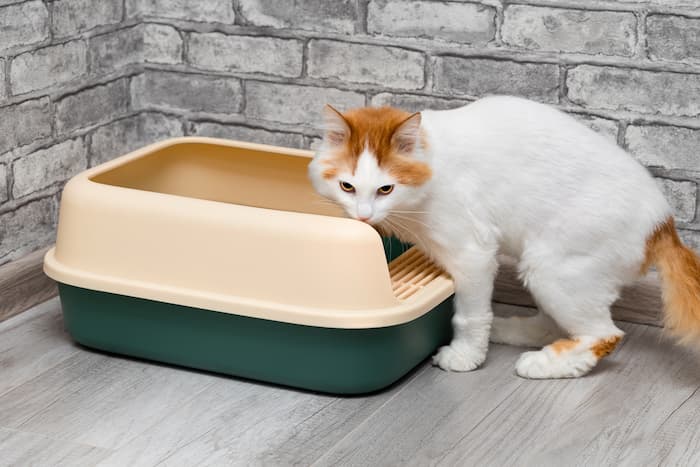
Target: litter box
pixel 218 255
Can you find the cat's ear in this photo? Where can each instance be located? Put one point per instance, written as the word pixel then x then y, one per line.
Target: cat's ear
pixel 335 127
pixel 406 134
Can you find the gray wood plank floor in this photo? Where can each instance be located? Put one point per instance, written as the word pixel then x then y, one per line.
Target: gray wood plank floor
pixel 61 404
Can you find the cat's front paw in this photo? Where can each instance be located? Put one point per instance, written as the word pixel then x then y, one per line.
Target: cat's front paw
pixel 458 357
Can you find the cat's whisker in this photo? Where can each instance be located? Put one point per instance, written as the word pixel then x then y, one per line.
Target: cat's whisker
pixel 406 233
pixel 411 219
pixel 391 222
pixel 400 228
pixel 324 202
pixel 399 223
pixel 410 234
pixel 394 229
pixel 407 212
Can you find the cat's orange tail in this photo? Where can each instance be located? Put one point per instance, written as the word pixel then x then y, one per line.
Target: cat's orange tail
pixel 679 268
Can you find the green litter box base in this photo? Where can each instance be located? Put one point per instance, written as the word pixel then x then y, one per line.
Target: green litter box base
pixel 340 361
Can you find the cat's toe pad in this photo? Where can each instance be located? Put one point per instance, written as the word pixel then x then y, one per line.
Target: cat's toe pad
pixel 458 358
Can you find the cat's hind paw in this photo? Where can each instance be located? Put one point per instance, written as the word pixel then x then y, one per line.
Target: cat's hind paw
pixel 541 364
pixel 458 358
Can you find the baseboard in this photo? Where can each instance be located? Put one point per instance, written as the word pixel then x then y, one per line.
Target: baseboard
pixel 638 303
pixel 23 284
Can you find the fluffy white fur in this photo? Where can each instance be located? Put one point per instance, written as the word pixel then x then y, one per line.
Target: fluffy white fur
pixel 516 177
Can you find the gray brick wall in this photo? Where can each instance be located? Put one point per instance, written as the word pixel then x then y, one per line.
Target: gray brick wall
pixel 66 70
pixel 82 81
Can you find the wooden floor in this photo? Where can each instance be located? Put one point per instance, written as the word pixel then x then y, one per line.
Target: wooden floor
pixel 61 404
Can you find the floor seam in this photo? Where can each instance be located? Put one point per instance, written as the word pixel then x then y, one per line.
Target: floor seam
pixel 52 438
pixel 678 408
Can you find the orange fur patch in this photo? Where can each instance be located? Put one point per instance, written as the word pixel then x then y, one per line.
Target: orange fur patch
pixel 605 346
pixel 680 277
pixel 374 128
pixel 562 345
pixel 329 173
pixel 664 236
pixel 408 172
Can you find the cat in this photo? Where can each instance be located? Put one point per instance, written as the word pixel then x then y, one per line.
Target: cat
pixel 505 175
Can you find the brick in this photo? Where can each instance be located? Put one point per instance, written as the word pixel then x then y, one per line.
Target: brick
pixel 48 67
pixel 467 23
pixel 562 30
pixel 314 15
pixel 148 43
pixel 45 167
pixel 92 106
pixel 215 11
pixel 414 103
pixel 682 197
pixel 288 103
pixel 23 123
pixel 242 133
pixel 161 44
pixel 75 16
pixel 636 90
pixel 125 135
pixel 3 183
pixel 605 127
pixel 115 50
pixel 367 64
pixel 664 146
pixel 691 238
pixel 23 24
pixel 479 77
pixel 187 91
pixel 673 38
pixel 27 228
pixel 216 51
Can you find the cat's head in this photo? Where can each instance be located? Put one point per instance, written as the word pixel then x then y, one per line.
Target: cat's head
pixel 371 161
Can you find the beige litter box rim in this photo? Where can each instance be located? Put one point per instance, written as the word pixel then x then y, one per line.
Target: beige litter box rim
pixel 398 293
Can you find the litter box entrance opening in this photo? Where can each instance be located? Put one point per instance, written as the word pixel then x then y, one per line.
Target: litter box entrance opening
pixel 223 173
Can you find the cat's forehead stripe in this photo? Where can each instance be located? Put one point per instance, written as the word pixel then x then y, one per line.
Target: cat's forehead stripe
pixel 366 163
pixel 371 129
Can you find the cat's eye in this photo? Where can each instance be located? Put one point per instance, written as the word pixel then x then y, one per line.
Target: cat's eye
pixel 347 187
pixel 385 190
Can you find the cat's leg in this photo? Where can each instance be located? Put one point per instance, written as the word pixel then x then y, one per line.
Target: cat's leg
pixel 580 306
pixel 525 331
pixel 471 323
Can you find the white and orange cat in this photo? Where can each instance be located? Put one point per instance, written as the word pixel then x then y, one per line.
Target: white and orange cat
pixel 511 176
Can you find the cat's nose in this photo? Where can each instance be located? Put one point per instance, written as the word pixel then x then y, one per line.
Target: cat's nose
pixel 364 211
